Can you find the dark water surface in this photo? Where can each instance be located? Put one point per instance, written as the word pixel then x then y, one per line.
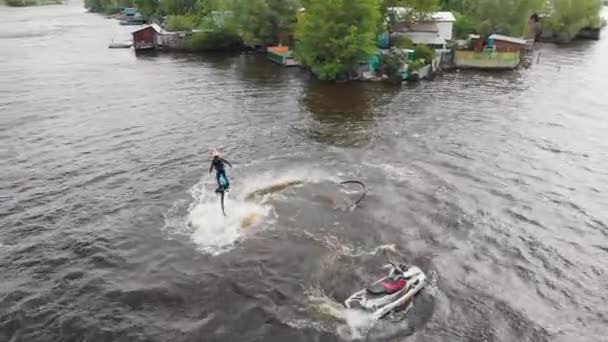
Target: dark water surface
pixel 494 184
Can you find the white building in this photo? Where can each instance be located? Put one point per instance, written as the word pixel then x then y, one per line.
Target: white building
pixel 445 24
pixel 443 20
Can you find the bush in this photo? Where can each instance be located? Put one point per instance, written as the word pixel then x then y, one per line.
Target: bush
pixel 21 3
pixel 182 22
pixel 392 63
pixel 424 52
pixel 404 43
pixel 415 65
pixel 214 41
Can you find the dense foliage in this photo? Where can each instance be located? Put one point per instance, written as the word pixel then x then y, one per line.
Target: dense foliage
pixel 392 63
pixel 334 36
pixel 182 22
pixel 565 17
pixel 21 3
pixel 568 17
pixel 418 9
pixel 263 21
pixel 147 7
pixel 107 6
pixel 213 40
pixel 424 53
pixel 24 3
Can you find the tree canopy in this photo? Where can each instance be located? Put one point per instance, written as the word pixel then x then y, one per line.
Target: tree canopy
pixel 566 17
pixel 261 21
pixel 334 36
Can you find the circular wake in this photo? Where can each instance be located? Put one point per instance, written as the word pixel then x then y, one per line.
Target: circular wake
pixel 247 207
pixel 211 230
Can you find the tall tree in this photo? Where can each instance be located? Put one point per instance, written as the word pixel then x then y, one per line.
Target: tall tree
pixel 147 7
pixel 568 17
pixel 333 36
pixel 262 20
pixel 415 8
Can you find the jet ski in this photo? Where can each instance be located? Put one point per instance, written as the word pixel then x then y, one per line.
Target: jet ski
pixel 391 293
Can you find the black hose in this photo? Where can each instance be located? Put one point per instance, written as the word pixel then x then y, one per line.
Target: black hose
pixel 362 194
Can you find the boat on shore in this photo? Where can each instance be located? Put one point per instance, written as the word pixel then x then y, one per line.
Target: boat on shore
pixel 486 60
pixel 119 45
pixel 281 55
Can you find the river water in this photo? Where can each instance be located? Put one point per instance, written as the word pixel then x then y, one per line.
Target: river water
pixel 494 184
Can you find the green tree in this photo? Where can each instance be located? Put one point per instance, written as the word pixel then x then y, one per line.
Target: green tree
pixel 181 7
pixel 107 6
pixel 21 3
pixel 464 25
pixel 568 17
pixel 147 7
pixel 333 36
pixel 261 21
pixel 182 22
pixel 506 17
pixel 416 9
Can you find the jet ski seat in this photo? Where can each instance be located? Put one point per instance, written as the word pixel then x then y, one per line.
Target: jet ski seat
pixel 386 287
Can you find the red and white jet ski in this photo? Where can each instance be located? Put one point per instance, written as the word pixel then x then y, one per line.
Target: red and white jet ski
pixel 391 293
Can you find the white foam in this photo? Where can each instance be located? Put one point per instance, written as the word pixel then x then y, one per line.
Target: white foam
pixel 267 179
pixel 215 233
pixel 394 172
pixel 353 324
pixel 208 227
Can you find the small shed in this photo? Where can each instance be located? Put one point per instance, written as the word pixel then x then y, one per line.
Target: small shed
pixel 506 43
pixel 146 38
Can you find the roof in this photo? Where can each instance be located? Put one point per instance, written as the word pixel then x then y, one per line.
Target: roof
pixel 508 39
pixel 428 38
pixel 156 28
pixel 443 16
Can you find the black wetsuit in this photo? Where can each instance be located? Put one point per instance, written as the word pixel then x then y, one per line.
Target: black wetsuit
pixel 218 164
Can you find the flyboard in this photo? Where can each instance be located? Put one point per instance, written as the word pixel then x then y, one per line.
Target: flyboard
pixel 221 190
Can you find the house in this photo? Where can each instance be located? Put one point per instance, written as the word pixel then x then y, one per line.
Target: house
pixel 147 38
pixel 506 44
pixel 426 33
pixel 443 21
